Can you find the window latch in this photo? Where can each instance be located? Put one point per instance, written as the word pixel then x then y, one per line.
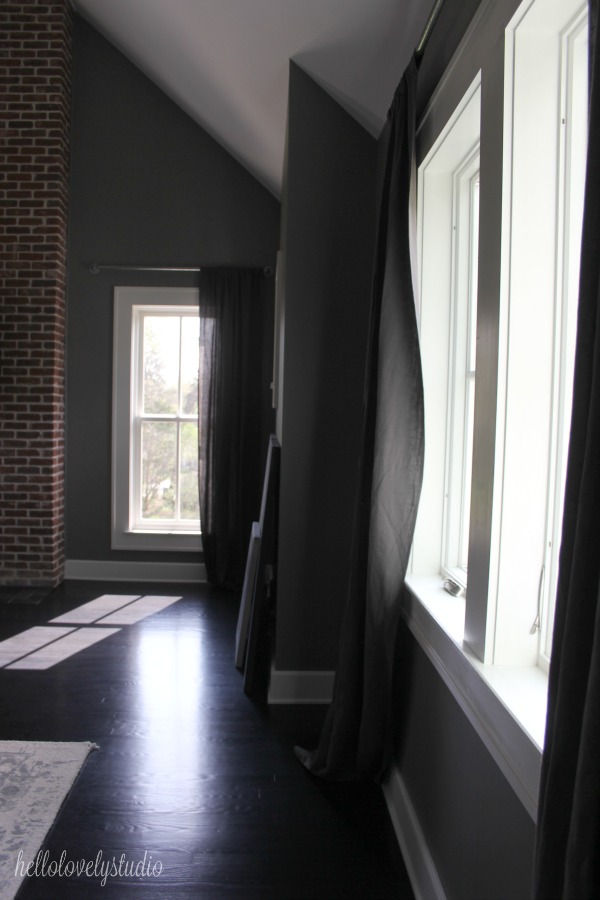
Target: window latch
pixel 537 623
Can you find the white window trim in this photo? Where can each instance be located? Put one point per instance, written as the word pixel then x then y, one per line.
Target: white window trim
pixel 123 537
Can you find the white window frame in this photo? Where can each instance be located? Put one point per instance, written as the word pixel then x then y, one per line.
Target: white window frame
pixel 142 416
pixel 572 156
pixel 463 305
pixel 531 302
pixel 444 216
pixel 125 534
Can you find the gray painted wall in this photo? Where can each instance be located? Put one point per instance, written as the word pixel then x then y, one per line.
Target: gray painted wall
pixel 328 239
pixel 148 186
pixel 478 833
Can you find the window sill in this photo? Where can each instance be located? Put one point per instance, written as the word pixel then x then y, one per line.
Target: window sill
pixel 180 542
pixel 156 532
pixel 505 704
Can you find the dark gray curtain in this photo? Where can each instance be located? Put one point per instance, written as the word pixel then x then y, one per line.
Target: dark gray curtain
pixel 231 317
pixel 568 833
pixel 357 738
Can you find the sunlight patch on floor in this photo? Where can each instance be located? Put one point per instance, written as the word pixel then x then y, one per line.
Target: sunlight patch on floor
pixel 135 612
pixel 95 609
pixel 43 646
pixel 29 641
pixel 67 646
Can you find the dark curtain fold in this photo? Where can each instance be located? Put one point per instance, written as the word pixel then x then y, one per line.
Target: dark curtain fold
pixel 357 737
pixel 568 832
pixel 231 316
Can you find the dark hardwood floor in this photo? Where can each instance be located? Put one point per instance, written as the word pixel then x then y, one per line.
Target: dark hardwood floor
pixel 190 771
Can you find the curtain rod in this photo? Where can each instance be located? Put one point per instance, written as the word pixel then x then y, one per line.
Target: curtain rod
pixel 95 268
pixel 433 17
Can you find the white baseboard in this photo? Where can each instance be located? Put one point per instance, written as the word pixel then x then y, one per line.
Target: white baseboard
pixel 287 686
pixel 112 570
pixel 417 858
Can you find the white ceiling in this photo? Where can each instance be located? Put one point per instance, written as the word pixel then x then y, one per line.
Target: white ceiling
pixel 226 62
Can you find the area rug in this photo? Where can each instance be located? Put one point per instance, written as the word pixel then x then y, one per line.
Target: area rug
pixel 35 778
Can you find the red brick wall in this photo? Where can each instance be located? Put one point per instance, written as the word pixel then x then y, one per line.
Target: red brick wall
pixel 35 65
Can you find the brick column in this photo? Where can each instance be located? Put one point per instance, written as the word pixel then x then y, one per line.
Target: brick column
pixel 35 67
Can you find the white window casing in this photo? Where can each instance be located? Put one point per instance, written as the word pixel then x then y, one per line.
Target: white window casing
pixel 128 529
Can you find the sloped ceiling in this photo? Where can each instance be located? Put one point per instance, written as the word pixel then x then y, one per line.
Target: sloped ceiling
pixel 226 62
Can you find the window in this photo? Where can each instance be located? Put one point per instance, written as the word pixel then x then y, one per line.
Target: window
pixel 164 455
pixel 448 259
pixel 573 142
pixel 155 419
pixel 544 168
pixel 499 221
pixel 461 381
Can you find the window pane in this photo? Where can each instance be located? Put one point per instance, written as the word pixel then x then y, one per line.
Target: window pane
pixel 189 504
pixel 463 547
pixel 465 513
pixel 448 232
pixel 161 364
pixel 474 229
pixel 159 470
pixel 462 372
pixel 190 335
pixel 574 125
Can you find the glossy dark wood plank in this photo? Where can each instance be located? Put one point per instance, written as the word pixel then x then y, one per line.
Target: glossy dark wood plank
pixel 191 771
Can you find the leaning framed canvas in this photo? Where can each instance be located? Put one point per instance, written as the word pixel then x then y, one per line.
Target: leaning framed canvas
pixel 258 650
pixel 268 506
pixel 248 590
